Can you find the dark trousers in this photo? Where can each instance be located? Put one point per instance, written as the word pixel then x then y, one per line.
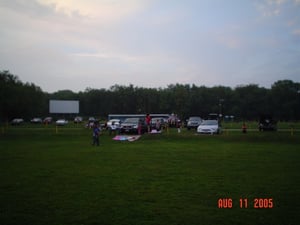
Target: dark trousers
pixel 96 140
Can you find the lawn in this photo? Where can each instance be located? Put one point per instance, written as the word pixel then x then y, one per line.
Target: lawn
pixel 58 178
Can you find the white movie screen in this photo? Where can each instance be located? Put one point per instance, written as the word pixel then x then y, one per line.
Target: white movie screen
pixel 63 106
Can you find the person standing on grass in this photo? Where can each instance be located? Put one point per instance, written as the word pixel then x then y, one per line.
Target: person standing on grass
pixel 96 133
pixel 148 121
pixel 139 128
pixel 113 128
pixel 157 125
pixel 244 128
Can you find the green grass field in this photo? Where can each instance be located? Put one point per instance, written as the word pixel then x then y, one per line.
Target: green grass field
pixel 59 178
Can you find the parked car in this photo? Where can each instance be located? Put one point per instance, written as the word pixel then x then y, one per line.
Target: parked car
pixel 266 123
pixel 91 122
pixel 91 119
pixel 48 120
pixel 209 127
pixel 61 122
pixel 17 121
pixel 130 125
pixel 193 122
pixel 173 120
pixel 213 116
pixel 36 120
pixel 116 122
pixel 113 126
pixel 158 123
pixel 78 119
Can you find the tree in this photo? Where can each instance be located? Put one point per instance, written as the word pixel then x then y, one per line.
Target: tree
pixel 285 99
pixel 18 99
pixel 245 102
pixel 251 101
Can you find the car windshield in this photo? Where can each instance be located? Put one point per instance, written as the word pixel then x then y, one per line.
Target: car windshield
pixel 114 120
pixel 209 122
pixel 157 118
pixel 131 120
pixel 194 118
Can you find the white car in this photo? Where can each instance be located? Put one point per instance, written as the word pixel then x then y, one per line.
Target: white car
pixel 61 122
pixel 78 119
pixel 17 121
pixel 116 122
pixel 209 127
pixel 36 120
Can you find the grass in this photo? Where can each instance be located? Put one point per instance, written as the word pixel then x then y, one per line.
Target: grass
pixel 59 178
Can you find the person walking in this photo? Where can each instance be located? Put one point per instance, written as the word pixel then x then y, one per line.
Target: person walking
pixel 96 133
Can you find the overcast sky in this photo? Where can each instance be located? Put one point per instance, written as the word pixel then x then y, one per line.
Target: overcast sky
pixel 76 44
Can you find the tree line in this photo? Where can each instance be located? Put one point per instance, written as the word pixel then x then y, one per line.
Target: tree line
pixel 245 102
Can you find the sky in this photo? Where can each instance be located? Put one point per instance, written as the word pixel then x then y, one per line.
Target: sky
pixel 79 44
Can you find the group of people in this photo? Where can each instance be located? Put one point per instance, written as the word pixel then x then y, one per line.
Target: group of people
pixel 113 129
pixel 96 129
pixel 155 126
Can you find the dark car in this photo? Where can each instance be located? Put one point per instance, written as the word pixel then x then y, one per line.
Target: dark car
pixel 131 125
pixel 193 122
pixel 213 116
pixel 48 120
pixel 267 123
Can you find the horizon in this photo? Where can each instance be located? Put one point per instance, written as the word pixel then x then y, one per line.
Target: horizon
pixel 157 88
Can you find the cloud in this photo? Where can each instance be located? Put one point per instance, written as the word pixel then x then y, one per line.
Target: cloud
pixel 276 2
pixel 102 10
pixel 77 44
pixel 271 8
pixel 31 8
pixel 296 32
pixel 117 56
pixel 231 41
